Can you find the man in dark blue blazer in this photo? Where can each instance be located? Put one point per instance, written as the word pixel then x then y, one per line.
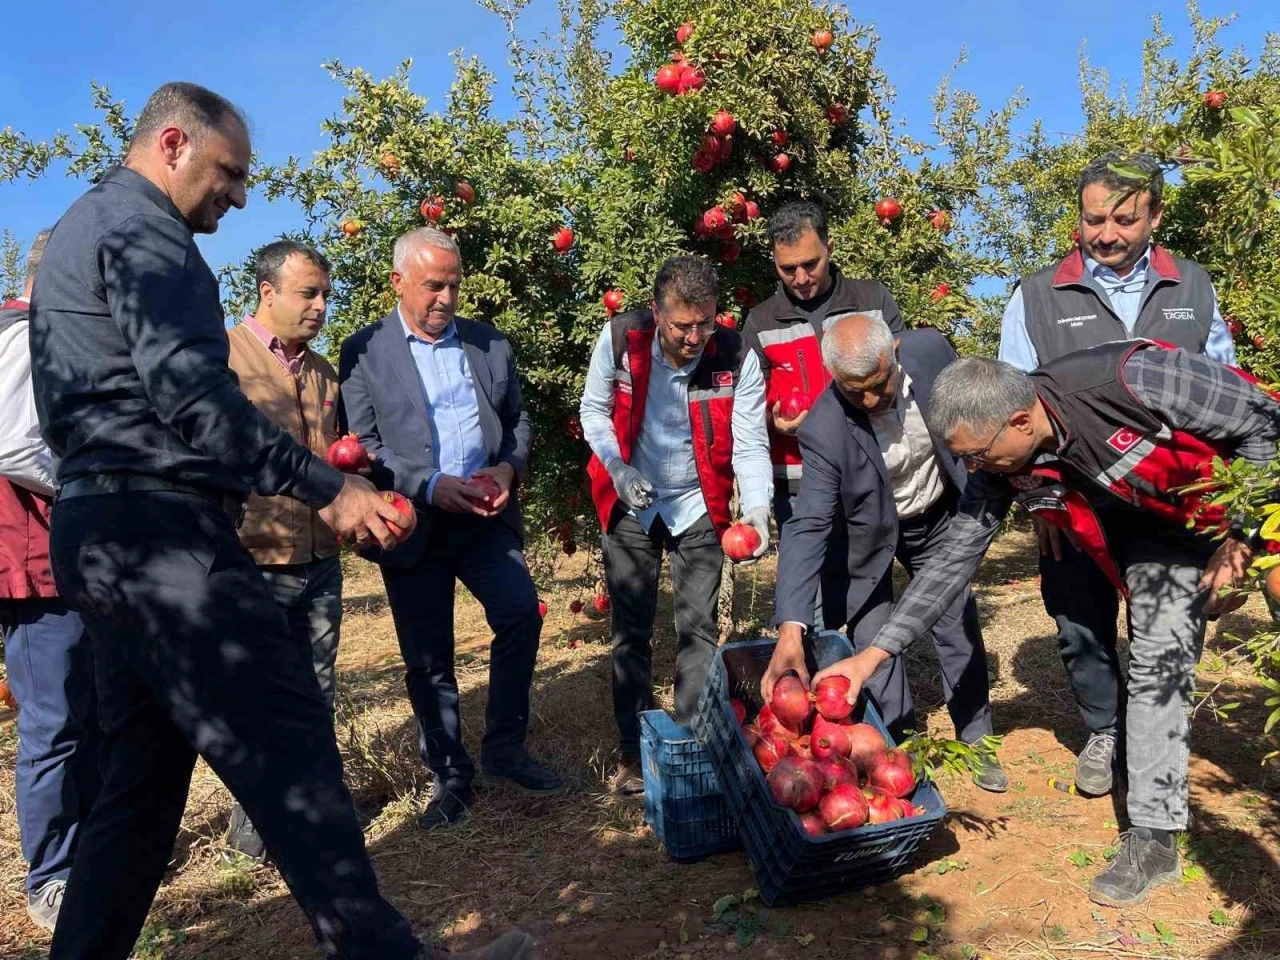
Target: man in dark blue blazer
pixel 435 400
pixel 871 465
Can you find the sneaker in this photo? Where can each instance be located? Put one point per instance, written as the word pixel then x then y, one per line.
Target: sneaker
pixel 628 779
pixel 44 904
pixel 514 945
pixel 243 839
pixel 526 773
pixel 446 807
pixel 1142 864
pixel 1093 766
pixel 989 775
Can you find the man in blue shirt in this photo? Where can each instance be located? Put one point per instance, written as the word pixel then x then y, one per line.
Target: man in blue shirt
pixel 673 410
pixel 1116 286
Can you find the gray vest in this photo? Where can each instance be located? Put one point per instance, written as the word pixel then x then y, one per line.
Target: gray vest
pixel 1065 311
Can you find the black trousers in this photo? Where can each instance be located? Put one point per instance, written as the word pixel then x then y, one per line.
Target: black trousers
pixel 957 638
pixel 193 655
pixel 486 555
pixel 632 562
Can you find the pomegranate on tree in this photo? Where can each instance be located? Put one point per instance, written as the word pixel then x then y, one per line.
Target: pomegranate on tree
pixel 723 123
pixel 601 603
pixel 668 78
pixel 613 301
pixel 1214 99
pixel 888 209
pixel 727 320
pixel 464 191
pixel 780 138
pixel 939 292
pixel 347 454
pixel 822 40
pixel 752 210
pixel 837 114
pixel 739 542
pixel 728 252
pixel 780 162
pixel 432 208
pixel 713 219
pixel 940 220
pixel 692 79
pixel 351 228
pixel 562 240
pixel 684 32
pixel 796 784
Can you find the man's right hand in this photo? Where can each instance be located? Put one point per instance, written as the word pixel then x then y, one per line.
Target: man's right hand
pixel 359 513
pixel 783 425
pixel 1050 538
pixel 457 496
pixel 788 657
pixel 633 488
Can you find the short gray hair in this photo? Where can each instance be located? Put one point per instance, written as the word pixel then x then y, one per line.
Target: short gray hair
pixel 415 240
pixel 190 106
pixel 687 279
pixel 856 358
pixel 978 393
pixel 36 253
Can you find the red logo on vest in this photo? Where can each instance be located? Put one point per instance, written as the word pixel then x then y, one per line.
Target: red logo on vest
pixel 1124 439
pixel 724 378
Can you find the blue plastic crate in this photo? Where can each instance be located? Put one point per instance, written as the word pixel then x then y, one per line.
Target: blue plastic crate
pixel 790 865
pixel 682 798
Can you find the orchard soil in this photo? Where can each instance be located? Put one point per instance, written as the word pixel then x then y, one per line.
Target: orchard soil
pixel 1003 876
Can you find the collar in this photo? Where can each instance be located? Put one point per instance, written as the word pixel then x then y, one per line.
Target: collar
pixel 1098 271
pixel 449 332
pixel 655 348
pixel 270 339
pixel 133 181
pixel 794 306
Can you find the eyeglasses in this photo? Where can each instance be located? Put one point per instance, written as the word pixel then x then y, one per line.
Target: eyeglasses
pixel 685 330
pixel 980 457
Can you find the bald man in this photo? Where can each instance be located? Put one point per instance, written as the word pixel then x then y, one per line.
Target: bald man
pixel 870 463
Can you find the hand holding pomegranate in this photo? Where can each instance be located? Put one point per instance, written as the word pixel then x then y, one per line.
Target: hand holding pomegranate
pixel 856 669
pixel 456 495
pixel 1226 568
pixel 633 487
pixel 360 513
pixel 784 425
pixel 757 520
pixel 788 657
pixel 503 475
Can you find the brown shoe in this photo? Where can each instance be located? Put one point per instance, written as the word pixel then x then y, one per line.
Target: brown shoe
pixel 628 779
pixel 514 945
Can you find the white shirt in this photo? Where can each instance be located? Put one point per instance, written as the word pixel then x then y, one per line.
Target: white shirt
pixel 909 454
pixel 24 457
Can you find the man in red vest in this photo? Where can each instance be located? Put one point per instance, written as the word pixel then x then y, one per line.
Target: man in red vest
pixel 46 652
pixel 1098 443
pixel 673 411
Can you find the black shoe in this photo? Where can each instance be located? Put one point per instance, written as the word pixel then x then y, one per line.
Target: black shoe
pixel 1142 864
pixel 1093 766
pixel 446 807
pixel 526 773
pixel 989 775
pixel 242 838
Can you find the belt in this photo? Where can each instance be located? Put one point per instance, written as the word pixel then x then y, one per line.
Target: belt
pixel 105 484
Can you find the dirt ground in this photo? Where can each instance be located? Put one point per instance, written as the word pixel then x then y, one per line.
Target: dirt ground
pixel 1003 876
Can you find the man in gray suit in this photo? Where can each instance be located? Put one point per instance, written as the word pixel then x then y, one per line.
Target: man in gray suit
pixel 871 464
pixel 435 400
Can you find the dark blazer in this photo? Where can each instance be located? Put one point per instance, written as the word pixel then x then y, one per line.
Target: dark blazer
pixel 844 480
pixel 383 403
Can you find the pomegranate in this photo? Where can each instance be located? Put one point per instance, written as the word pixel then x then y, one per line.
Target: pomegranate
pixel 404 506
pixel 724 149
pixel 829 739
pixel 432 208
pixel 390 164
pixel 569 547
pixel 939 292
pixel 488 486
pixel 351 228
pixel 795 403
pixel 891 772
pixel 714 219
pixel 729 251
pixel 771 748
pixel 542 608
pixel 837 114
pixel 692 79
pixel 822 40
pixel 739 542
pixel 780 163
pixel 790 702
pixel 613 301
pixel 802 746
pixel 684 32
pixel 601 603
pixel 1234 327
pixel 843 808
pixel 727 320
pixel 812 823
pixel 865 742
pixel 562 240
pixel 723 123
pixel 752 210
pixel 668 78
pixel 888 209
pixel 831 698
pixel 573 427
pixel 1214 99
pixel 766 721
pixel 780 138
pixel 744 297
pixel 836 770
pixel 1259 342
pixel 464 191
pixel 940 220
pixel 739 710
pixel 752 734
pixel 905 809
pixel 882 808
pixel 575 607
pixel 347 454
pixel 796 783
pixel 703 162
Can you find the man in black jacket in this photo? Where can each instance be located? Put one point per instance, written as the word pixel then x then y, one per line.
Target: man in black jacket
pixel 872 469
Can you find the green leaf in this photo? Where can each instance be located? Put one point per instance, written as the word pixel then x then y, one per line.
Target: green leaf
pixel 1192 873
pixel 920 935
pixel 1080 858
pixel 804 939
pixel 1166 935
pixel 1219 918
pixel 1246 116
pixel 723 904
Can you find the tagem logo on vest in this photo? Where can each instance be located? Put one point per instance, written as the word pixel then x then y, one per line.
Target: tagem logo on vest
pixel 1124 439
pixel 1179 313
pixel 1077 321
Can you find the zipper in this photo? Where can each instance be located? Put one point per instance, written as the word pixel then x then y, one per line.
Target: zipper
pixel 706 423
pixel 804 371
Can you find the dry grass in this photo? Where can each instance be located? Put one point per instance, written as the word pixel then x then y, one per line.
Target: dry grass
pixel 586 876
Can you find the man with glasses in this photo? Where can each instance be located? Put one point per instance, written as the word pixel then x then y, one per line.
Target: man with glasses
pixel 872 469
pixel 1122 427
pixel 673 410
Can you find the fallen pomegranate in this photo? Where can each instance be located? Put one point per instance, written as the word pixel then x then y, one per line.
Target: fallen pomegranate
pixel 569 548
pixel 487 486
pixel 771 748
pixel 7 698
pixel 891 773
pixel 812 823
pixel 575 607
pixel 796 783
pixel 601 603
pixel 888 209
pixel 835 771
pixel 739 542
pixel 865 742
pixel 347 454
pixel 542 608
pixel 830 697
pixel 881 808
pixel 829 739
pixel 843 808
pixel 790 703
pixel 795 403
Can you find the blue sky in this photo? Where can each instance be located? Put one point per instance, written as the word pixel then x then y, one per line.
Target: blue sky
pixel 269 63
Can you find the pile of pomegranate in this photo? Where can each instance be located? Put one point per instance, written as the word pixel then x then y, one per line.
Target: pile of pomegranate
pixel 834 773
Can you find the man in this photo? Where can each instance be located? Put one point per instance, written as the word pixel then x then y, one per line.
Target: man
pixel 46 652
pixel 673 411
pixel 297 389
pixel 1124 424
pixel 435 398
pixel 871 466
pixel 157 450
pixel 1117 285
pixel 785 333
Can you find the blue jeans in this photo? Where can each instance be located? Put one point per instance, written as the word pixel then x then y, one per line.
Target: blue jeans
pixel 50 671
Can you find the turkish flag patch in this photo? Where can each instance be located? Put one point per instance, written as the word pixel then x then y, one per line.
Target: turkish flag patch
pixel 723 379
pixel 1124 439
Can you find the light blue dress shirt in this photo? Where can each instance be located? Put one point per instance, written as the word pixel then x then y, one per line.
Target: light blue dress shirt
pixel 453 414
pixel 1125 296
pixel 663 452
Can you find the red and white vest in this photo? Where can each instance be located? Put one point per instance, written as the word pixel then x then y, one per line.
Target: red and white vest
pixel 711 393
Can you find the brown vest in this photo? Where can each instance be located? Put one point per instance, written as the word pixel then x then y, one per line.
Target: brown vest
pixel 278 530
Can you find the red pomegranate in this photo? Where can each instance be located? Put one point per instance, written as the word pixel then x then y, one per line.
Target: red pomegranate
pixel 865 742
pixel 831 698
pixel 464 191
pixel 692 79
pixel 542 608
pixel 822 40
pixel 432 208
pixel 347 454
pixel 771 748
pixel 714 219
pixel 562 240
pixel 796 783
pixel 723 123
pixel 404 506
pixel 843 808
pixel 729 252
pixel 752 210
pixel 795 403
pixel 780 138
pixel 780 162
pixel 906 809
pixel 575 607
pixel 802 746
pixel 739 542
pixel 829 739
pixel 836 770
pixel 739 710
pixel 1214 99
pixel 837 114
pixel 488 486
pixel 684 32
pixel 881 808
pixel 888 209
pixel 811 823
pixel 891 772
pixel 613 301
pixel 940 220
pixel 790 703
pixel 727 320
pixel 601 603
pixel 668 78
pixel 766 721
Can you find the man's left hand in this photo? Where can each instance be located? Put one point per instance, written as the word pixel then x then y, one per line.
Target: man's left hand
pixel 1225 569
pixel 504 475
pixel 856 669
